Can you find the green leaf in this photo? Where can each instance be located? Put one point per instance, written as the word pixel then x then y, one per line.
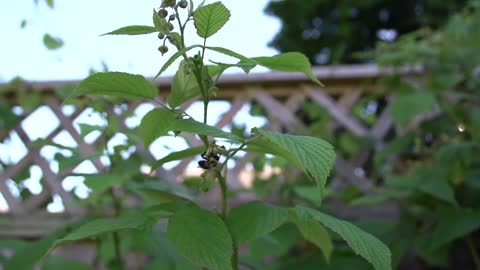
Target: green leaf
pixel 86 129
pixel 454 226
pixel 42 142
pixel 201 237
pixel 50 3
pixel 362 243
pixel 154 124
pixel 405 107
pixel 243 59
pixel 28 255
pixel 160 23
pixel 158 192
pixel 175 39
pixel 316 156
pixel 313 232
pixel 193 151
pixel 424 180
pixel 184 86
pixel 52 43
pixel 100 226
pixel 175 57
pixel 99 183
pixel 192 126
pixel 159 196
pixel 252 220
pixel 116 84
pixel 290 62
pixel 435 257
pixel 210 18
pixel 133 30
pixel 310 193
pixel 264 145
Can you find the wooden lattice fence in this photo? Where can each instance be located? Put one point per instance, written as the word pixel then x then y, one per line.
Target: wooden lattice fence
pixel 280 96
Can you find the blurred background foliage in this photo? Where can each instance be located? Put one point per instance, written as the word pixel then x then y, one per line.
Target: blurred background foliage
pixel 432 171
pixel 330 32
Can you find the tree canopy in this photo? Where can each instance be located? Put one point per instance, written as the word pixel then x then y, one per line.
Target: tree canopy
pixel 330 31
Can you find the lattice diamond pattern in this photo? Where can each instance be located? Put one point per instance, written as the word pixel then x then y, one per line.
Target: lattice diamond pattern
pixel 280 101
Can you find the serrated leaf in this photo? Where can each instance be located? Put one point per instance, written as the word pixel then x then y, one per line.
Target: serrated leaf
pixel 86 129
pixel 290 62
pixel 42 142
pixel 193 151
pixel 424 180
pixel 158 192
pixel 154 124
pixel 315 156
pixel 210 18
pixel 192 126
pixel 160 23
pixel 116 84
pixel 201 237
pixel 99 183
pixel 454 226
pixel 264 145
pixel 174 57
pixel 133 30
pixel 252 220
pixel 438 257
pixel 51 42
pixel 104 225
pixel 175 39
pixel 246 67
pixel 231 53
pixel 184 86
pixel 314 232
pixel 361 242
pixel 405 107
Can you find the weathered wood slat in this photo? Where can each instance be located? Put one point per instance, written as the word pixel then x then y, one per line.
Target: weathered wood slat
pixel 280 94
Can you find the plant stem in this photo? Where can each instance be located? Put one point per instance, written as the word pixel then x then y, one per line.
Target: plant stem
pixel 223 188
pixel 235 256
pixel 205 112
pixel 473 250
pixel 116 240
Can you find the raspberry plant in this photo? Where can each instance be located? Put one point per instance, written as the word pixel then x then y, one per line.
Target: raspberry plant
pixel 210 239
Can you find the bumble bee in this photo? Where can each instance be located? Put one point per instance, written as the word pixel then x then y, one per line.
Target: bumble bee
pixel 210 157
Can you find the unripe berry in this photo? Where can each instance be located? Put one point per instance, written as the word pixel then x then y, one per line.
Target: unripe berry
pixel 170 27
pixel 161 35
pixel 163 13
pixel 183 4
pixel 163 49
pixel 168 3
pixel 171 18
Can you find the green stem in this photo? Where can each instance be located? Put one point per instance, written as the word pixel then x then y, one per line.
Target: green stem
pixel 118 253
pixel 236 150
pixel 223 189
pixel 473 250
pixel 205 112
pixel 224 214
pixel 235 256
pixel 116 240
pixel 182 28
pixel 206 97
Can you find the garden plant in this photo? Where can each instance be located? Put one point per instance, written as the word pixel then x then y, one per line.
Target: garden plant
pixel 174 230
